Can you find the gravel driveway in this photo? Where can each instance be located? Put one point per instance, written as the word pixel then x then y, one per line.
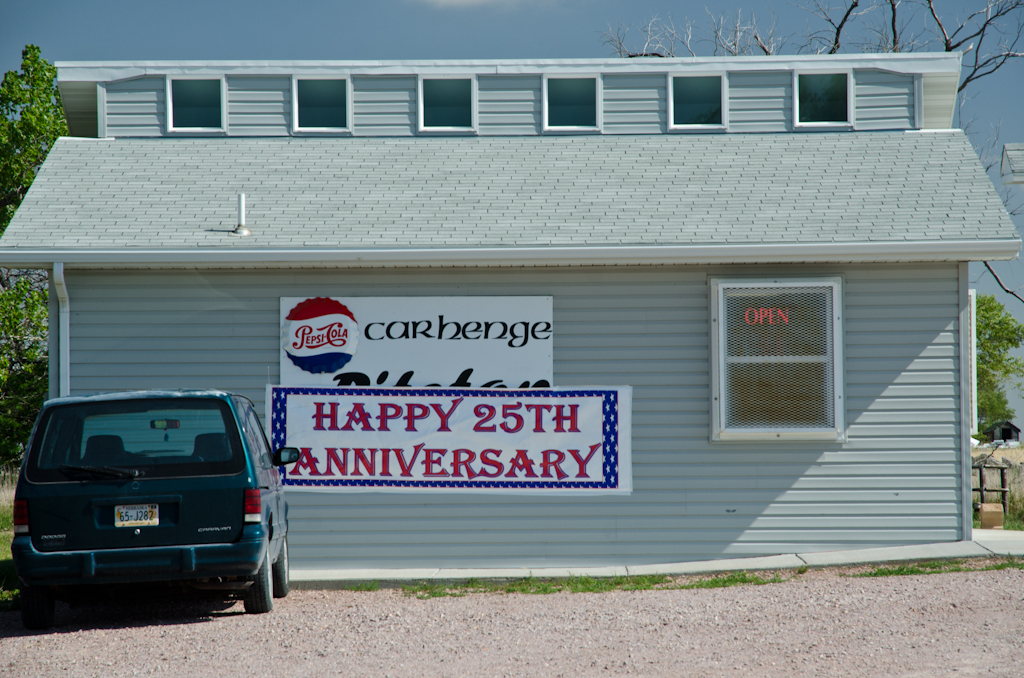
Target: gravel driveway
pixel 816 624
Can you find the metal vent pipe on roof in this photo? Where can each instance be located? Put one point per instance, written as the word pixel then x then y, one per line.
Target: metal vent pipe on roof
pixel 240 229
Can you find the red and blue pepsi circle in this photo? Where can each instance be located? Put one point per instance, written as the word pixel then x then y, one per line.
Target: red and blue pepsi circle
pixel 320 335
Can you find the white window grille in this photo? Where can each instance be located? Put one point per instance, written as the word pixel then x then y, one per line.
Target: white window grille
pixel 777 359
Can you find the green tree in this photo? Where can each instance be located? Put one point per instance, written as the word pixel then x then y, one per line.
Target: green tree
pixel 998 334
pixel 31 120
pixel 23 360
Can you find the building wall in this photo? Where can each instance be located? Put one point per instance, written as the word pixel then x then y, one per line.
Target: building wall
pixel 896 480
pixel 884 100
pixel 761 102
pixel 259 106
pixel 136 108
pixel 386 105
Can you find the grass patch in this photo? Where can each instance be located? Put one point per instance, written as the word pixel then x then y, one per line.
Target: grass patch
pixel 364 586
pixel 582 584
pixel 424 590
pixel 731 579
pixel 8 578
pixel 941 566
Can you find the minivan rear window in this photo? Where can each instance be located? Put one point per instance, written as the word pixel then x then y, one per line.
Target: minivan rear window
pixel 146 438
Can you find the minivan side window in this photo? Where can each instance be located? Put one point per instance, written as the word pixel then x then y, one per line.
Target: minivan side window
pixel 253 432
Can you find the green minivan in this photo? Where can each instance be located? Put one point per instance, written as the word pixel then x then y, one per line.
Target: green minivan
pixel 150 486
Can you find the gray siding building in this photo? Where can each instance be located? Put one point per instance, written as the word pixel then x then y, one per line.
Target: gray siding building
pixel 646 207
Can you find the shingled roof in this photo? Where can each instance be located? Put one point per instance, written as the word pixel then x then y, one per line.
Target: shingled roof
pixel 899 195
pixel 1012 165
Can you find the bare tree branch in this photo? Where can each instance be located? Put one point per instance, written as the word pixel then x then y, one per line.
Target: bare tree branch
pixel 830 39
pixel 842 23
pixel 893 31
pixel 659 38
pixel 1000 20
pixel 1005 288
pixel 616 39
pixel 732 36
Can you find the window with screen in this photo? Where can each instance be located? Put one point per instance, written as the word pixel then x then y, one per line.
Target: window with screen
pixel 446 104
pixel 196 104
pixel 777 359
pixel 571 103
pixel 321 104
pixel 823 99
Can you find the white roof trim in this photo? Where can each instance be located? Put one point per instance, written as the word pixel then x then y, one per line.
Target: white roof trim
pixel 775 253
pixel 1012 165
pixel 109 71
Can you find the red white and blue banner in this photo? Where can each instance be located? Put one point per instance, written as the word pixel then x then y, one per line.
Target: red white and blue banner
pixel 486 342
pixel 543 441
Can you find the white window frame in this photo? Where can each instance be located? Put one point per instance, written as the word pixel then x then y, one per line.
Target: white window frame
pixel 598 104
pixel 717 331
pixel 169 100
pixel 474 97
pixel 672 127
pixel 347 129
pixel 850 103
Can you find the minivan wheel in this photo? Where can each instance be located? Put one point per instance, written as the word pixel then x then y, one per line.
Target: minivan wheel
pixel 37 607
pixel 280 571
pixel 258 598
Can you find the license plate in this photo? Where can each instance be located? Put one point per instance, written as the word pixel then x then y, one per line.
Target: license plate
pixel 133 515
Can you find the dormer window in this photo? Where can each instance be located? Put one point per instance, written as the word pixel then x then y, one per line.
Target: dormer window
pixel 571 104
pixel 823 99
pixel 196 105
pixel 321 105
pixel 447 104
pixel 697 102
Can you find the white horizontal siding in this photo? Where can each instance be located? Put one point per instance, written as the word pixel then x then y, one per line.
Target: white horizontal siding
pixel 761 102
pixel 509 104
pixel 883 100
pixel 259 106
pixel 635 104
pixel 136 108
pixel 384 106
pixel 896 480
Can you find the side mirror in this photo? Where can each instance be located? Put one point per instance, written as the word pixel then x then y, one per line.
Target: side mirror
pixel 286 455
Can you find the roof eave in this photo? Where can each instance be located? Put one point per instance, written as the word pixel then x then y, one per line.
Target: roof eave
pixel 107 71
pixel 754 253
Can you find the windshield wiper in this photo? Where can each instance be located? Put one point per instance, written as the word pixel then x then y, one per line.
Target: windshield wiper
pixel 107 471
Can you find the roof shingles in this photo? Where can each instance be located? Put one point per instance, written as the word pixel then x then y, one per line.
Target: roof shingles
pixel 510 192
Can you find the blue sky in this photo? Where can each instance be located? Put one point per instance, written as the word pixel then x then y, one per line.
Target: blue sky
pixel 435 29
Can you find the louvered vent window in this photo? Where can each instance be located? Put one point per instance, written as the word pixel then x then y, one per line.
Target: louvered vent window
pixel 778 360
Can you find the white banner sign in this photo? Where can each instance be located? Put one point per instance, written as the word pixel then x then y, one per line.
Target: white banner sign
pixel 416 341
pixel 574 441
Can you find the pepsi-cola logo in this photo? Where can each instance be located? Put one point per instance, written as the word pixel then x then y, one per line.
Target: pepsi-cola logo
pixel 320 335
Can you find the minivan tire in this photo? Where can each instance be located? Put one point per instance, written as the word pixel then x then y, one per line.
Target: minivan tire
pixel 37 607
pixel 280 571
pixel 258 598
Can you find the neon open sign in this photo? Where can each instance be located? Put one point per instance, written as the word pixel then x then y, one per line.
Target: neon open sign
pixel 771 316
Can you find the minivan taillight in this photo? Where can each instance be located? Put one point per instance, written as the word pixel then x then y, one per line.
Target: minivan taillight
pixel 253 508
pixel 20 516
